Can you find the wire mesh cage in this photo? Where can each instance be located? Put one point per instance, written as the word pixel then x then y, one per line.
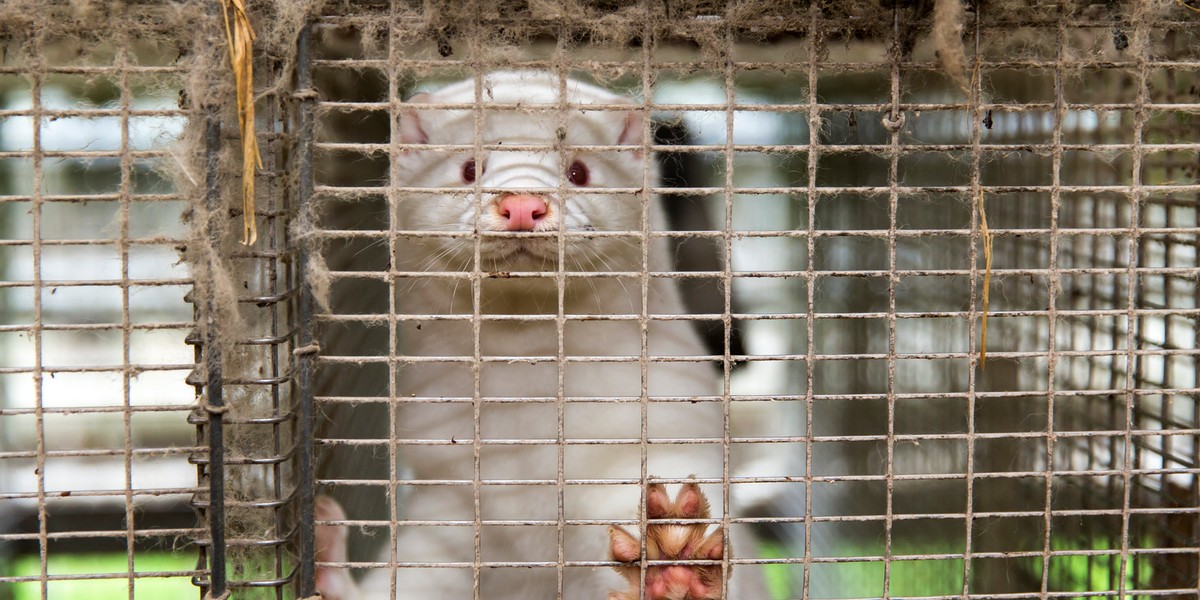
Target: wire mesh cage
pixel 112 154
pixel 94 480
pixel 908 289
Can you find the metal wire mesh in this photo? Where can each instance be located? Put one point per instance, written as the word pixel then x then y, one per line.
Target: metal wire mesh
pixel 826 185
pixel 98 384
pixel 251 419
pixel 94 480
pixel 845 185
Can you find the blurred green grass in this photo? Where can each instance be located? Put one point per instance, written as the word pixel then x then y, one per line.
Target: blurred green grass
pixel 910 578
pixel 865 579
pixel 943 577
pixel 150 588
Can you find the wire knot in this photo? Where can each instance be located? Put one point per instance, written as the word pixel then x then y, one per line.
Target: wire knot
pixel 309 349
pixel 893 123
pixel 213 409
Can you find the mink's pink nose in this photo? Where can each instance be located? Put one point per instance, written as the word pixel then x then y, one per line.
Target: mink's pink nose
pixel 521 212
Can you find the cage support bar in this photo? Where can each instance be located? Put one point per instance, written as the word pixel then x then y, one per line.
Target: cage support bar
pixel 214 397
pixel 306 576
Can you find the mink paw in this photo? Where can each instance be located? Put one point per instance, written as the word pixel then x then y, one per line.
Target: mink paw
pixel 671 541
pixel 334 583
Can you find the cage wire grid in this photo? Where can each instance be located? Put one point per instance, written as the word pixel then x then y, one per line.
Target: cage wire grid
pixel 258 438
pixel 1054 255
pixel 99 188
pixel 840 261
pixel 92 320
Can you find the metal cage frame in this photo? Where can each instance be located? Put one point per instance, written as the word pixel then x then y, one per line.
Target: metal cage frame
pixel 1083 225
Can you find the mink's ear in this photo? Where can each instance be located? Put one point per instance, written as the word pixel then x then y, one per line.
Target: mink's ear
pixel 631 133
pixel 411 130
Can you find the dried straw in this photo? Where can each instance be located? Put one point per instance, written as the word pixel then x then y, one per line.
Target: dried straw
pixel 987 278
pixel 241 57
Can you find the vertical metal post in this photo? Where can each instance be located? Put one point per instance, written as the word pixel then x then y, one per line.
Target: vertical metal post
pixel 214 398
pixel 305 355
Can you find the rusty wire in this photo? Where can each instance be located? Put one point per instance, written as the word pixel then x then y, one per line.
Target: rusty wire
pixel 1065 260
pixel 1081 436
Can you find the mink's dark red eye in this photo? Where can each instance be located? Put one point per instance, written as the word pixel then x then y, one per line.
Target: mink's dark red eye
pixel 468 170
pixel 578 174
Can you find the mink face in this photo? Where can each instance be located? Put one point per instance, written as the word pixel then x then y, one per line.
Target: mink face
pixel 549 181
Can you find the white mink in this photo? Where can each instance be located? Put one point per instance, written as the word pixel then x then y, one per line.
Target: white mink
pixel 543 198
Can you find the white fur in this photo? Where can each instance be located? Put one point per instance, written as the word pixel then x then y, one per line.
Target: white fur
pixel 581 421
